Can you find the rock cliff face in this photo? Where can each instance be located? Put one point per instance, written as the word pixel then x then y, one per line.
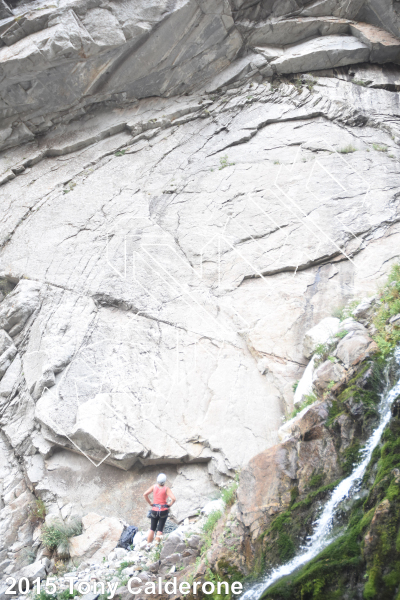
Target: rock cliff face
pixel 187 187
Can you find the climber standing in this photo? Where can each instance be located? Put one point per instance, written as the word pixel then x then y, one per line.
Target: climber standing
pixel 163 499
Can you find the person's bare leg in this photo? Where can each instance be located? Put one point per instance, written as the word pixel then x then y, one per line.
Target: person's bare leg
pixel 158 537
pixel 150 537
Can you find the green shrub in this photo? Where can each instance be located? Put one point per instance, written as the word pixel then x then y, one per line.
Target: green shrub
pixel 56 537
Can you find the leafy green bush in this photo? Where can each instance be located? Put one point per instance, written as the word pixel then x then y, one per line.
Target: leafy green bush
pixel 56 537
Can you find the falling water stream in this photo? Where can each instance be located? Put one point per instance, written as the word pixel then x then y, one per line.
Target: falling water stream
pixel 321 536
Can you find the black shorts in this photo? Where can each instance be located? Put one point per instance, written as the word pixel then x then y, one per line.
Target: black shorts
pixel 158 519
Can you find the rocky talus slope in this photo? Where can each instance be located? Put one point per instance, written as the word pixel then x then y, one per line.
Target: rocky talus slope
pixel 187 187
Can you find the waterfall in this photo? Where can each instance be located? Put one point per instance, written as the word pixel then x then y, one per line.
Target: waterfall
pixel 346 489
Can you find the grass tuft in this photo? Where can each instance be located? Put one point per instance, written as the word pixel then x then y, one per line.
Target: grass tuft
pixel 211 521
pixel 308 400
pixel 380 147
pixel 37 512
pixel 349 149
pixel 228 494
pixel 224 162
pixel 56 537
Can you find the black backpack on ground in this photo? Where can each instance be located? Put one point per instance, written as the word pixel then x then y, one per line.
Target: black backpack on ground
pixel 127 536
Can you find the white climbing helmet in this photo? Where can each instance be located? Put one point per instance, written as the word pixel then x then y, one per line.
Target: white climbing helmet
pixel 161 479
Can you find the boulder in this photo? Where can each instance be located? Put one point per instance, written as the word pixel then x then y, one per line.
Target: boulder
pixel 265 484
pixel 172 559
pixel 320 334
pixel 100 536
pixel 39 569
pixel 120 553
pixel 195 541
pixel 327 373
pixel 213 506
pixel 351 325
pixel 354 347
pixel 364 309
pixel 128 571
pixel 310 417
pixel 170 546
